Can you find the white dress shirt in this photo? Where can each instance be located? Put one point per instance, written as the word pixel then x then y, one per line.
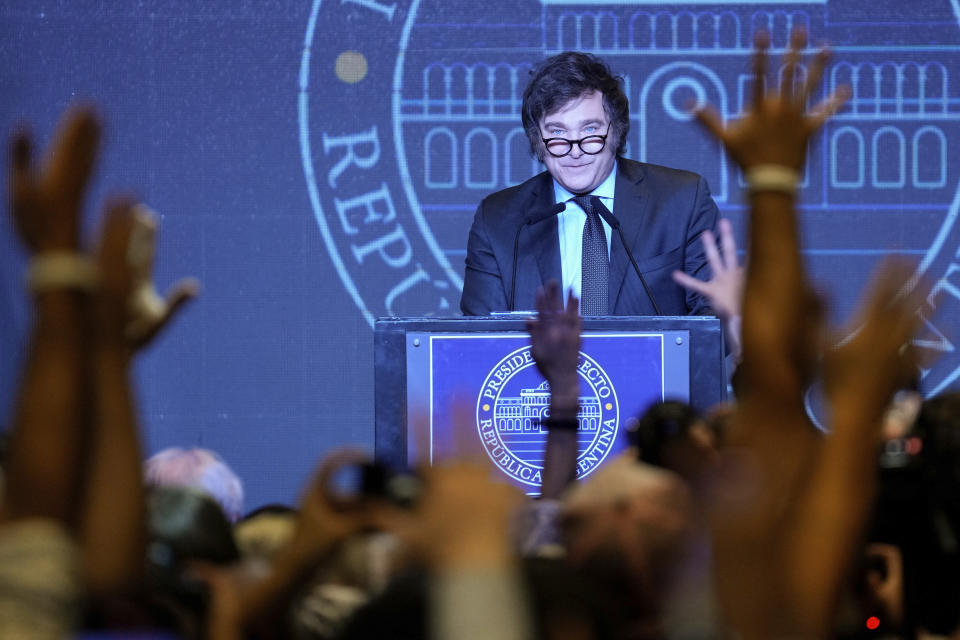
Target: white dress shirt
pixel 570 230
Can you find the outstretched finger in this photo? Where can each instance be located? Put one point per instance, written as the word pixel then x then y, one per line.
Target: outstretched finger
pixel 554 299
pixel 711 120
pixel 548 299
pixel 72 157
pixel 687 281
pixel 21 151
pixel 182 292
pixel 889 294
pixel 118 225
pixel 573 304
pixel 22 183
pixel 177 297
pixel 713 254
pixel 798 39
pixel 814 75
pixel 761 42
pixel 728 244
pixel 822 112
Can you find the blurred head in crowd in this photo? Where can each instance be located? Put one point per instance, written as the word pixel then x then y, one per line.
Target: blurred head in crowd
pixel 673 436
pixel 624 528
pixel 184 525
pixel 201 469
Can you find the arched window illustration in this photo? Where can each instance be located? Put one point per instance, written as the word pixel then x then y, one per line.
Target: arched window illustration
pixel 910 87
pixel 846 159
pixel 684 30
pixel 599 30
pixel 503 82
pixel 518 164
pixel 480 159
pixel 889 88
pixel 481 90
pixel 640 30
pixel 776 23
pixel 435 97
pixel 868 88
pixel 607 27
pixel 460 88
pixel 663 31
pixel 440 159
pixel 707 31
pixel 933 86
pixel 729 32
pixel 888 159
pixel 929 158
pixel 780 23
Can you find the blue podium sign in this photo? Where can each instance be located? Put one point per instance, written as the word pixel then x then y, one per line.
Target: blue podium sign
pixel 460 388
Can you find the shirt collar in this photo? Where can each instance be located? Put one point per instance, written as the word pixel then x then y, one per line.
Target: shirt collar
pixel 604 190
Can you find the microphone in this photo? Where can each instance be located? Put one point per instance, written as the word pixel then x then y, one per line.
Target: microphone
pixel 535 217
pixel 611 220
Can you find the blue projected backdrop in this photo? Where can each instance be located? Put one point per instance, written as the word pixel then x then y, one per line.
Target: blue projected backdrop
pixel 317 165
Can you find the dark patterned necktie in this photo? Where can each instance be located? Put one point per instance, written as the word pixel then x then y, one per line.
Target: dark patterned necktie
pixel 595 263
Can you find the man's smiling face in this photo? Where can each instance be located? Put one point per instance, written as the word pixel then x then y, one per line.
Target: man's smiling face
pixel 577 171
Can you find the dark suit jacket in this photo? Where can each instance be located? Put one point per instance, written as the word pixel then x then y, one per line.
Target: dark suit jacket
pixel 662 212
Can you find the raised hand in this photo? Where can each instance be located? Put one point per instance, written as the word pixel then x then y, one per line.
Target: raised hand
pixel 149 313
pixel 861 376
pixel 555 340
pixel 325 518
pixel 724 289
pixel 46 202
pixel 127 300
pixel 866 368
pixel 555 345
pixel 776 128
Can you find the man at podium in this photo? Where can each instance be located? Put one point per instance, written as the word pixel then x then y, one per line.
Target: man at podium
pixel 611 230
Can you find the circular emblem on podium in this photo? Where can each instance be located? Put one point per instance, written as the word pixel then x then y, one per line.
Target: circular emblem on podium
pixel 514 401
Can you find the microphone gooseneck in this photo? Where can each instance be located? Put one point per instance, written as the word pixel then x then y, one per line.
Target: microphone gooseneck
pixel 612 220
pixel 533 218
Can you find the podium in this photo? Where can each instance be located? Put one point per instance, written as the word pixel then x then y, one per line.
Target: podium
pixel 468 387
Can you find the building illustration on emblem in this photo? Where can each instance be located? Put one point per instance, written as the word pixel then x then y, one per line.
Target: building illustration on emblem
pixel 525 413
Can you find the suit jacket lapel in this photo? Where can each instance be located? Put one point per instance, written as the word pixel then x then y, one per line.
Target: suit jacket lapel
pixel 630 208
pixel 544 239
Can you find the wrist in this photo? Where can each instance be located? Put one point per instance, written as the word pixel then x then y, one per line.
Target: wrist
pixel 565 388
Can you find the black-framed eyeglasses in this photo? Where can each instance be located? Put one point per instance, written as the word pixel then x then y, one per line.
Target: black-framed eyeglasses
pixel 590 145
